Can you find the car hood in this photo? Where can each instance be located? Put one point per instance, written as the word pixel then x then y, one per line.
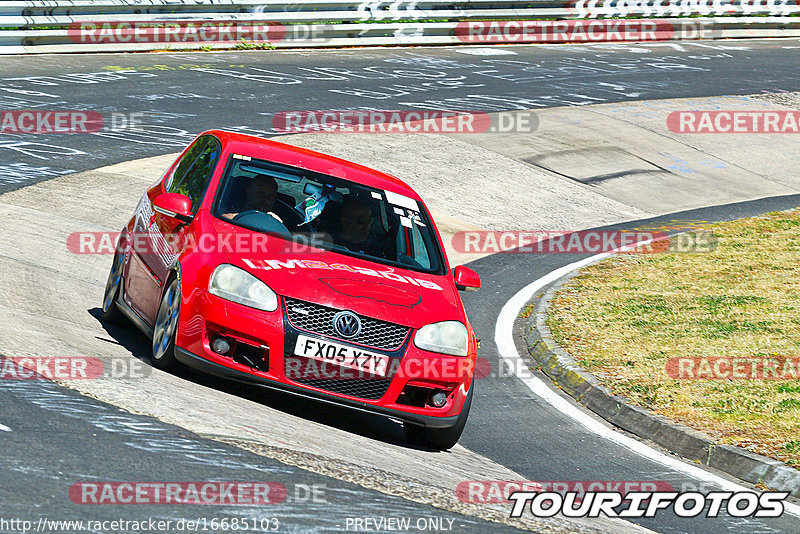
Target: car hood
pixel 331 279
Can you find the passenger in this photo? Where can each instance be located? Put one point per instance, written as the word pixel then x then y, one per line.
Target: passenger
pixel 355 224
pixel 355 229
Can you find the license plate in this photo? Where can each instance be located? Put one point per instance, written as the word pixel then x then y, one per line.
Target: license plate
pixel 341 355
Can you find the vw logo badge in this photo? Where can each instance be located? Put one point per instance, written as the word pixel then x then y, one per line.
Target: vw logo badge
pixel 347 324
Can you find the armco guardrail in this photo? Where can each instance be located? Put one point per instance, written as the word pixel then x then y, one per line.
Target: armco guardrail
pixel 141 25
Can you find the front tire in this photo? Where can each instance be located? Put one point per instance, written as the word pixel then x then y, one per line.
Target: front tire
pixel 110 312
pixel 441 438
pixel 166 327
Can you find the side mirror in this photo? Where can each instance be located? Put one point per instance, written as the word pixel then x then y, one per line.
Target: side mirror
pixel 466 279
pixel 174 205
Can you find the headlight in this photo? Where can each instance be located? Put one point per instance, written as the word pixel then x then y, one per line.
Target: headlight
pixel 447 337
pixel 237 285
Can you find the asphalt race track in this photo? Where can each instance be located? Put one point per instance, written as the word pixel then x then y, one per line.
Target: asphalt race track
pixel 89 436
pixel 58 436
pixel 182 94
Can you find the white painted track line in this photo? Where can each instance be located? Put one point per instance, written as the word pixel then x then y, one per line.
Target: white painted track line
pixel 504 338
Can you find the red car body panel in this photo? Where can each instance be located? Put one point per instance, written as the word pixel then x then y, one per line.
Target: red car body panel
pixel 372 290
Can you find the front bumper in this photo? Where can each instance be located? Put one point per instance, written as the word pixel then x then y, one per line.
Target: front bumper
pixel 204 315
pixel 212 368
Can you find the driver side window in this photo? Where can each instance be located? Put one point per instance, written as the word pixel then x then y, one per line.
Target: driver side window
pixel 194 171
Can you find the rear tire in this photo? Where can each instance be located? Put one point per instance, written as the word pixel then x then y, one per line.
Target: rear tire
pixel 166 327
pixel 441 438
pixel 110 312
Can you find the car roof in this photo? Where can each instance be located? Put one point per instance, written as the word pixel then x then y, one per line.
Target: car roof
pixel 258 147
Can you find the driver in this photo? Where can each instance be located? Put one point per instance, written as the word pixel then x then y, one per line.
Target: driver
pixel 261 192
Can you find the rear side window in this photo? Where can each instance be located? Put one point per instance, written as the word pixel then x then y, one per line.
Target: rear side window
pixel 194 170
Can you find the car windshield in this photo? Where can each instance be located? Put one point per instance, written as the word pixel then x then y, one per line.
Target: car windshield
pixel 334 214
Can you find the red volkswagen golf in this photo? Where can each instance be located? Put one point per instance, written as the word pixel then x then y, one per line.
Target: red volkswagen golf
pixel 278 266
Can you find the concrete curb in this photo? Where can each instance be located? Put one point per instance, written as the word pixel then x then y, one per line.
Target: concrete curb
pixel 562 369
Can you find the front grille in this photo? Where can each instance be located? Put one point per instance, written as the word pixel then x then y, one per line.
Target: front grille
pixel 319 320
pixel 363 388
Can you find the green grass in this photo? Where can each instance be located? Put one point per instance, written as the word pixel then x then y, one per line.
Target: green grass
pixel 250 45
pixel 625 318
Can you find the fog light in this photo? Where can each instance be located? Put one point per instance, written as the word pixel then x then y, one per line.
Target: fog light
pixel 439 399
pixel 220 345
